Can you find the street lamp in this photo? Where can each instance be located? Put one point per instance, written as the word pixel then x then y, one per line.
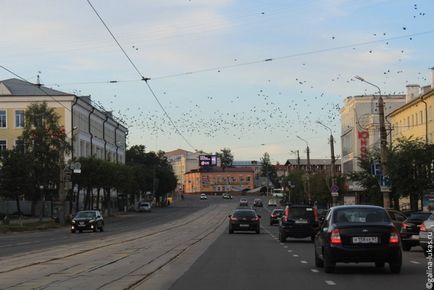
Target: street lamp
pixel 308 167
pixel 383 142
pixel 332 151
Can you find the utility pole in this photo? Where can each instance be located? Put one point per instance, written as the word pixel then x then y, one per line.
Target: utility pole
pixel 333 162
pixel 385 189
pixel 308 169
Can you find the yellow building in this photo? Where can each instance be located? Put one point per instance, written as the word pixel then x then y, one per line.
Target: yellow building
pixel 415 118
pixel 92 131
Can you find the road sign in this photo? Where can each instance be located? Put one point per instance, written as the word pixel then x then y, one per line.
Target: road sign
pixel 335 193
pixel 376 169
pixel 334 188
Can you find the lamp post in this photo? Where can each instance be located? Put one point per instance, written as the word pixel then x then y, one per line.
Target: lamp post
pixel 308 167
pixel 333 161
pixel 383 143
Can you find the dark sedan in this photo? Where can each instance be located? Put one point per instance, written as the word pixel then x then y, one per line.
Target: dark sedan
pixel 357 234
pixel 410 229
pixel 87 220
pixel 244 220
pixel 275 216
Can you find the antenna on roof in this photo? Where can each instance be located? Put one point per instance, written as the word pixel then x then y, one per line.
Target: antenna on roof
pixel 38 81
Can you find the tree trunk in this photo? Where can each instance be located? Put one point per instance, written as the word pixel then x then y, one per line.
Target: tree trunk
pixel 395 198
pixel 414 201
pixel 97 197
pixel 17 198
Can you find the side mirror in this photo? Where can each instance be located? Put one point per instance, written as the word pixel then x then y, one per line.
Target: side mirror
pixel 259 216
pixel 229 216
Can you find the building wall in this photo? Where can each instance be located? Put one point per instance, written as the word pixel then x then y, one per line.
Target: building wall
pixel 210 182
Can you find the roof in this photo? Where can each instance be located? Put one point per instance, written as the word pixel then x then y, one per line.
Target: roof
pixel 16 87
pixel 239 163
pixel 416 100
pixel 222 169
pixel 312 162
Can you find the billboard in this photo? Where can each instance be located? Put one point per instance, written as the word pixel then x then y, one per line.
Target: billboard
pixel 207 160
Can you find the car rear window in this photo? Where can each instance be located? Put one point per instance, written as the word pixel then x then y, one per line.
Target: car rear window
pixel 278 211
pixel 419 216
pixel 300 213
pixel 86 214
pixel 360 215
pixel 244 214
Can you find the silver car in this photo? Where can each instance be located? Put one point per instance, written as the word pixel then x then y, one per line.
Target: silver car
pixel 426 235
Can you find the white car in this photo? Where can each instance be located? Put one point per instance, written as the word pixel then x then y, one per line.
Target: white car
pixel 272 202
pixel 145 206
pixel 203 196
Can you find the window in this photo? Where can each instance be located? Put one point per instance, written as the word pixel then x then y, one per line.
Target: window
pixel 3 119
pixel 408 122
pixel 19 119
pixel 421 117
pixel 412 120
pixel 430 113
pixel 2 145
pixel 415 114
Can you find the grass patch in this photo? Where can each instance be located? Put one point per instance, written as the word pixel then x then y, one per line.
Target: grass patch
pixel 34 226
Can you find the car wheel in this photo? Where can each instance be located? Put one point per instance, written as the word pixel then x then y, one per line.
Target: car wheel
pixel 271 223
pixel 329 266
pixel 80 231
pixel 282 237
pixel 231 231
pixel 395 264
pixel 425 252
pixel 73 231
pixel 406 247
pixel 258 231
pixel 379 264
pixel 101 229
pixel 312 238
pixel 318 262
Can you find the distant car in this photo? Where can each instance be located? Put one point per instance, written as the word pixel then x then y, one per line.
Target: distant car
pixel 397 218
pixel 203 196
pixel 244 220
pixel 87 220
pixel 275 216
pixel 358 234
pixel 298 221
pixel 258 202
pixel 426 233
pixel 244 202
pixel 226 196
pixel 410 229
pixel 272 202
pixel 145 206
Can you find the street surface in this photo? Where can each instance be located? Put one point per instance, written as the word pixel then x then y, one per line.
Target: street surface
pixel 186 246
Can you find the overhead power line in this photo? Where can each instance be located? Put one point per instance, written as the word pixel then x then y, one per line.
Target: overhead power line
pixel 141 76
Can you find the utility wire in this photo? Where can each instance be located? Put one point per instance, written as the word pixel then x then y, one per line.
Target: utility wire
pixel 141 75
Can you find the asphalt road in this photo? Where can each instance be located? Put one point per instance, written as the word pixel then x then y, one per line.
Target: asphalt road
pixel 251 261
pixel 22 242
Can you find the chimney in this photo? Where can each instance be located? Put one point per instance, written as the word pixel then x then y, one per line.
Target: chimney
pixel 412 93
pixel 432 77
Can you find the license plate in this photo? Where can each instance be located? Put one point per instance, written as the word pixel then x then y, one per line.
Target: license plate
pixel 414 237
pixel 365 240
pixel 301 222
pixel 244 225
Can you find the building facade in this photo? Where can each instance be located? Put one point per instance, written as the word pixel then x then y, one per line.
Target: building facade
pixel 182 161
pixel 219 180
pixel 91 131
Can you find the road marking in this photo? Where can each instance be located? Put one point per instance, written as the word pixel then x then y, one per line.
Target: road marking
pixel 281 244
pixel 289 251
pixel 286 247
pixel 315 270
pixel 414 262
pixel 295 255
pixel 329 282
pixel 303 262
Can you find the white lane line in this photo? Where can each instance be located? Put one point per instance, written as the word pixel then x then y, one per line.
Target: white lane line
pixel 315 270
pixel 329 282
pixel 286 247
pixel 303 262
pixel 282 244
pixel 26 243
pixel 295 255
pixel 289 251
pixel 414 262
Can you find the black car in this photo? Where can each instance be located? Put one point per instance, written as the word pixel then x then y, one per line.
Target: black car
pixel 244 220
pixel 275 216
pixel 87 220
pixel 410 229
pixel 397 218
pixel 258 202
pixel 298 221
pixel 356 234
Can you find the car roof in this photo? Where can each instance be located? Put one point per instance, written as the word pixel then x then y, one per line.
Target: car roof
pixel 244 209
pixel 357 206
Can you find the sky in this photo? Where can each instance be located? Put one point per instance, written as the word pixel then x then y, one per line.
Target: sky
pixel 246 75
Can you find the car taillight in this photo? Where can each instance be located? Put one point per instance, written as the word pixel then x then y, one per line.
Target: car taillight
pixel 404 226
pixel 274 215
pixel 394 237
pixel 335 237
pixel 233 219
pixel 422 228
pixel 255 219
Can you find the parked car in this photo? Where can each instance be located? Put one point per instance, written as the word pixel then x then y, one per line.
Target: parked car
pixel 258 202
pixel 275 216
pixel 410 229
pixel 244 202
pixel 244 220
pixel 203 196
pixel 226 196
pixel 272 202
pixel 298 221
pixel 87 220
pixel 426 234
pixel 357 234
pixel 397 218
pixel 144 206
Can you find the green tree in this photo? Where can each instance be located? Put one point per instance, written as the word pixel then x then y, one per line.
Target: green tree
pixel 226 157
pixel 45 140
pixel 16 178
pixel 267 170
